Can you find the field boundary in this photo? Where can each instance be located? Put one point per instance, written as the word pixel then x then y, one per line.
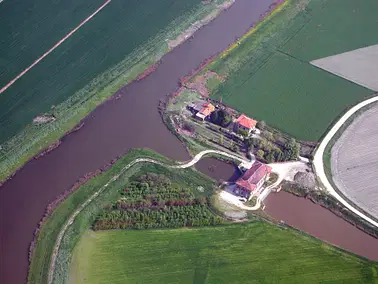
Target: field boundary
pixel 54 47
pixel 70 221
pixel 319 161
pixel 15 153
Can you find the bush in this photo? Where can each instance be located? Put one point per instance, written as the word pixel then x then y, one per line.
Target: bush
pixel 261 125
pixel 220 117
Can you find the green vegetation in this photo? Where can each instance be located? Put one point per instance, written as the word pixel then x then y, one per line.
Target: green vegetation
pixel 220 117
pixel 244 253
pixel 48 234
pixel 109 51
pixel 269 76
pixel 188 178
pixel 154 201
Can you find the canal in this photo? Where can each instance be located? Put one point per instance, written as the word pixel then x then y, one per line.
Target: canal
pixel 111 130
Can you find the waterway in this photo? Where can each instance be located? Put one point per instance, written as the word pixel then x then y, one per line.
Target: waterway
pixel 111 130
pixel 321 223
pixel 303 214
pixel 218 170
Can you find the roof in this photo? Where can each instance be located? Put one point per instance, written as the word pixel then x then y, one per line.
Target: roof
pixel 246 121
pixel 207 108
pixel 254 175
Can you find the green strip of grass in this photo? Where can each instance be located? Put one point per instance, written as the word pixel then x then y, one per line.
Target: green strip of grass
pixel 269 78
pixel 257 252
pixel 47 237
pixel 40 263
pixel 81 95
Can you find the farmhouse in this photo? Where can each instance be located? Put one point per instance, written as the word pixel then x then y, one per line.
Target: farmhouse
pixel 250 183
pixel 205 111
pixel 244 123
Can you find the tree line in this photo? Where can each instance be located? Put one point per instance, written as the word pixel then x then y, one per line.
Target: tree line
pixel 153 201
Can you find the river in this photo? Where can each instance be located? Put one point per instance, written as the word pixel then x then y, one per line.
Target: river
pixel 111 130
pixel 320 223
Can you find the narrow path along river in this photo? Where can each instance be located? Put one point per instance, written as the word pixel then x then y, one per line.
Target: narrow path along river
pixel 112 129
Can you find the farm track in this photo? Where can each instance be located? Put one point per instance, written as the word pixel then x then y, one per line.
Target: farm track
pixel 108 133
pixel 69 222
pixel 319 162
pixel 54 47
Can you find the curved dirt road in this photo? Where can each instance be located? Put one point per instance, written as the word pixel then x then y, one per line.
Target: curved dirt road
pixel 93 196
pixel 318 159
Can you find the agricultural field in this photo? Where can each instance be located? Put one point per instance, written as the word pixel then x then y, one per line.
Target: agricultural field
pixel 269 75
pixel 198 187
pixel 104 54
pixel 354 161
pixel 246 253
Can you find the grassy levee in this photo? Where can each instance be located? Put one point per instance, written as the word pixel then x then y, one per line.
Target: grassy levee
pixel 47 236
pixel 49 232
pixel 257 252
pixel 21 140
pixel 267 73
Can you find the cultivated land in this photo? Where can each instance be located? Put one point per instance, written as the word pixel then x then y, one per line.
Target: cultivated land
pixel 269 75
pixel 106 53
pixel 89 200
pixel 354 162
pixel 359 66
pixel 250 253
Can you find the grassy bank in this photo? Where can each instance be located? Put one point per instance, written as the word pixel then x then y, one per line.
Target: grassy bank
pixel 89 69
pixel 244 253
pixel 49 232
pixel 268 74
pixel 47 236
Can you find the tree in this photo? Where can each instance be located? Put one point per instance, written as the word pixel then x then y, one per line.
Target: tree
pixel 235 148
pixel 243 132
pixel 221 140
pixel 221 117
pixel 291 150
pixel 269 156
pixel 268 135
pixel 261 124
pixel 260 154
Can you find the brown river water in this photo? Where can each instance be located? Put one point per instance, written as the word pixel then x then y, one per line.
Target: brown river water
pixel 302 214
pixel 111 130
pixel 321 223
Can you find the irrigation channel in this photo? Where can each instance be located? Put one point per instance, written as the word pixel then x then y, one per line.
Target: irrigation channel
pixel 132 121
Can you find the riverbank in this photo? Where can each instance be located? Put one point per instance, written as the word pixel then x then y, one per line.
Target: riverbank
pixel 59 232
pixel 36 138
pixel 107 133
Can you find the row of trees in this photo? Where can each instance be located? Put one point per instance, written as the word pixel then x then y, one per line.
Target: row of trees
pixel 168 217
pixel 266 150
pixel 153 201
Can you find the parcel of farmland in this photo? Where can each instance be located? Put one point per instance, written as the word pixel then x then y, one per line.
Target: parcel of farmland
pixel 250 253
pixel 268 74
pixel 109 50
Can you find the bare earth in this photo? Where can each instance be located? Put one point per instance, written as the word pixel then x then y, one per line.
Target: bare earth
pixel 359 66
pixel 354 161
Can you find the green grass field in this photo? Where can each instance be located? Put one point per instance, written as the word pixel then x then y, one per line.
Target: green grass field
pixel 269 76
pixel 248 253
pixel 41 258
pixel 109 51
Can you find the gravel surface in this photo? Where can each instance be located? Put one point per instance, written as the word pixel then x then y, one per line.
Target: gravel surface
pixel 354 160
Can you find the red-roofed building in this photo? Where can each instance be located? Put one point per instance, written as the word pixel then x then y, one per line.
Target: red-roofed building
pixel 245 123
pixel 250 183
pixel 205 111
